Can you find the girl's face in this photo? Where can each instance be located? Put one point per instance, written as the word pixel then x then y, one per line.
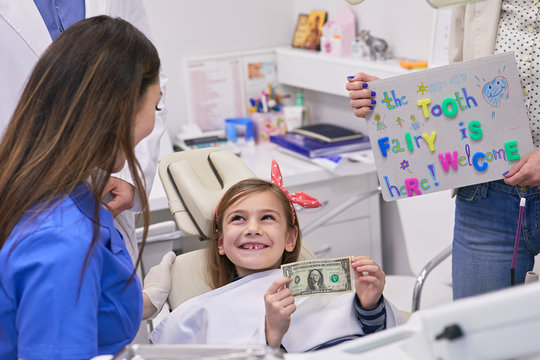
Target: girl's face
pixel 255 234
pixel 145 118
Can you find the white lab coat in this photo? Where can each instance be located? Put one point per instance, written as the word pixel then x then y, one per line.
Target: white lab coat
pixel 24 37
pixel 235 314
pixel 474 30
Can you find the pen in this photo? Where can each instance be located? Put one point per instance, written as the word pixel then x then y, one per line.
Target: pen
pixel 263 101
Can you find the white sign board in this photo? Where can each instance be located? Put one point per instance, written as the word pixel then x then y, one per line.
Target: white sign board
pixel 447 127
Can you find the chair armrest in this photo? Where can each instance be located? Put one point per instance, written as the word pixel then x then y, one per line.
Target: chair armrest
pixel 421 278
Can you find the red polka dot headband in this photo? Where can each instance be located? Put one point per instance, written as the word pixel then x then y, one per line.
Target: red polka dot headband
pixel 300 198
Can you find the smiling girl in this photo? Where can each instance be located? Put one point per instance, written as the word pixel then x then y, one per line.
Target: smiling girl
pixel 256 231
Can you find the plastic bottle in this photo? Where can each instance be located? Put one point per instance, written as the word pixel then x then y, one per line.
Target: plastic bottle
pixel 300 102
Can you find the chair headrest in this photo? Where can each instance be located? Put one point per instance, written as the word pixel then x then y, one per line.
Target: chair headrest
pixel 195 180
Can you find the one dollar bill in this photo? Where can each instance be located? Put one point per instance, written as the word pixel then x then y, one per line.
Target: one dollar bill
pixel 321 276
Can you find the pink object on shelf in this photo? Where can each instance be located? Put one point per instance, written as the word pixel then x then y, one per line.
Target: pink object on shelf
pixel 339 33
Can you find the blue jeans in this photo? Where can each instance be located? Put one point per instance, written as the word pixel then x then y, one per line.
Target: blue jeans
pixel 484 234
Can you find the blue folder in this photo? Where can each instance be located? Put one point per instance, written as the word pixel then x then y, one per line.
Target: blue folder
pixel 312 148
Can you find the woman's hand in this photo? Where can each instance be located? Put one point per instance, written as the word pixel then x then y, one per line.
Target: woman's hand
pixel 369 281
pixel 279 304
pixel 526 171
pixel 361 97
pixel 122 195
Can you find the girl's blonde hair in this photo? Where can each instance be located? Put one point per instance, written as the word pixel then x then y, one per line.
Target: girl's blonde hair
pixel 220 270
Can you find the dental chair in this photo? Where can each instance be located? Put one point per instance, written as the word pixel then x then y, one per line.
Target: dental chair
pixel 194 182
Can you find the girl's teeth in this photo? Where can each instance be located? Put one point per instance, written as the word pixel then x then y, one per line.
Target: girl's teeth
pixel 251 247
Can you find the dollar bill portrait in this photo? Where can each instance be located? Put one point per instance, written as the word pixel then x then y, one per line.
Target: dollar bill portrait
pixel 315 280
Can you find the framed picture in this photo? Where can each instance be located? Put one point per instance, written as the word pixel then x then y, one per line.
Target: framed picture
pixel 316 20
pixel 301 31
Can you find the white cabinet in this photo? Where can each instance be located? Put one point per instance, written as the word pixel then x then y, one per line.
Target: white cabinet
pixel 356 231
pixel 325 73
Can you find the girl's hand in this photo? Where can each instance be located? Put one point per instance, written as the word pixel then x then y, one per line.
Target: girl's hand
pixel 279 304
pixel 369 280
pixel 361 96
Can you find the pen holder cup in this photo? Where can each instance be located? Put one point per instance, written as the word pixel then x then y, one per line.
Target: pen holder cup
pixel 231 127
pixel 266 124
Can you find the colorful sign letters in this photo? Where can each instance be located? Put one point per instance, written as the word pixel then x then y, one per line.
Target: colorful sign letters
pixel 447 127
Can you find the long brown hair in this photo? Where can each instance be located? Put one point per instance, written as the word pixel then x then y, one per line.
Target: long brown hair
pixel 74 117
pixel 220 270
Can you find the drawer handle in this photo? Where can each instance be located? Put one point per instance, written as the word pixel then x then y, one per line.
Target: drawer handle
pixel 298 208
pixel 323 250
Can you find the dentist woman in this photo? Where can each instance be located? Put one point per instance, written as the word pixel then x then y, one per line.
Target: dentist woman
pixel 28 27
pixel 68 288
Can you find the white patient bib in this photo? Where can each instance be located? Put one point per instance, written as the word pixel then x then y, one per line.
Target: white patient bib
pixel 234 314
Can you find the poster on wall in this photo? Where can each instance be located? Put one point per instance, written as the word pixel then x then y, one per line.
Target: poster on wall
pixel 215 90
pixel 447 127
pixel 222 86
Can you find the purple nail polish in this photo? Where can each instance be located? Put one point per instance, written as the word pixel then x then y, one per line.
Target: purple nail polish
pixel 373 93
pixel 350 77
pixel 373 101
pixel 506 173
pixel 364 85
pixel 371 108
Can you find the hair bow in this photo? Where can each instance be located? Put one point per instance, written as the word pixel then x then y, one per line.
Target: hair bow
pixel 300 198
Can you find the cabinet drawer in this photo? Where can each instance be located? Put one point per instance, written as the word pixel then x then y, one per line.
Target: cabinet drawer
pixel 348 238
pixel 333 193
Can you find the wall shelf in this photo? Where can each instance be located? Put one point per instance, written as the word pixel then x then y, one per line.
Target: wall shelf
pixel 325 73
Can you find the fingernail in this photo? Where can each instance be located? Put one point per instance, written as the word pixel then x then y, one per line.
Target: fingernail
pixel 373 101
pixel 506 173
pixel 364 85
pixel 373 93
pixel 371 108
pixel 350 77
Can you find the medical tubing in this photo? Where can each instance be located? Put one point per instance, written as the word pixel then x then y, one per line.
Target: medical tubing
pixel 516 242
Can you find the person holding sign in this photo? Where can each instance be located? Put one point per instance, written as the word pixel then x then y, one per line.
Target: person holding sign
pixel 491 216
pixel 487 214
pixel 256 231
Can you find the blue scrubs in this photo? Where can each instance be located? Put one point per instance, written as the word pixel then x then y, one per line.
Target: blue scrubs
pixel 46 311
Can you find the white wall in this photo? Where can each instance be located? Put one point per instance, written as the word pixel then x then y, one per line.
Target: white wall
pixel 188 28
pixel 404 24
